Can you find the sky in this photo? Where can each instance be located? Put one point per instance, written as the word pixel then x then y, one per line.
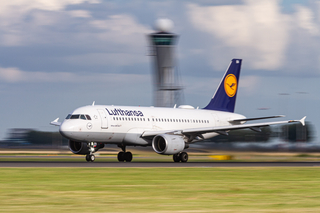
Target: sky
pixel 58 55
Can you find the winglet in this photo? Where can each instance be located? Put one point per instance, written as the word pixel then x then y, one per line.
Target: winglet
pixel 302 121
pixel 55 122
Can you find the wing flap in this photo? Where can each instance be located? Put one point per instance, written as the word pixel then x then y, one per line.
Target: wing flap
pixel 257 118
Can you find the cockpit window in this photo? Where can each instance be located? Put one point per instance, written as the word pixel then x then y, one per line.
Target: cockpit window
pixel 77 116
pixel 74 116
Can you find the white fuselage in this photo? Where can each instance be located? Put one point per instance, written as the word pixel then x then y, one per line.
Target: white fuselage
pixel 125 124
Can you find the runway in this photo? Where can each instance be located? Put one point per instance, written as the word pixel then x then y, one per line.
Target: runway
pixel 57 164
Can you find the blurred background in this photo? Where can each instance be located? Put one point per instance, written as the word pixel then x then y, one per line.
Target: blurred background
pixel 56 56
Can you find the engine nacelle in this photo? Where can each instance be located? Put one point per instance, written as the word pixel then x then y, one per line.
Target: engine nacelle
pixel 82 148
pixel 168 144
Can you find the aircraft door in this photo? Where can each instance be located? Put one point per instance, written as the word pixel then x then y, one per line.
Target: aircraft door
pixel 104 119
pixel 216 119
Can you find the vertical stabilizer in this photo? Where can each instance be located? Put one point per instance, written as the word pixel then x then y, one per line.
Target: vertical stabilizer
pixel 225 96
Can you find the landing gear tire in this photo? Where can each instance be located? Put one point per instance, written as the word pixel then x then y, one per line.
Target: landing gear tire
pixel 124 156
pixel 176 158
pixel 128 156
pixel 121 156
pixel 180 157
pixel 90 158
pixel 184 157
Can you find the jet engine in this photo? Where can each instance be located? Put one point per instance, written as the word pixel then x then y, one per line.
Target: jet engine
pixel 82 148
pixel 168 144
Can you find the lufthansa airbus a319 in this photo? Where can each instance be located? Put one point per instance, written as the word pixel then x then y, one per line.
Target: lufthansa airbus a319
pixel 168 130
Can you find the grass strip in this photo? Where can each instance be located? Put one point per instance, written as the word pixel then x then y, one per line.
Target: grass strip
pixel 159 189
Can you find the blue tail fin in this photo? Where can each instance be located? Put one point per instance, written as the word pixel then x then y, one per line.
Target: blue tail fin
pixel 225 97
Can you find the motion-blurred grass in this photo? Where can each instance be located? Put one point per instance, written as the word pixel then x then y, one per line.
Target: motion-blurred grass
pixel 151 156
pixel 159 190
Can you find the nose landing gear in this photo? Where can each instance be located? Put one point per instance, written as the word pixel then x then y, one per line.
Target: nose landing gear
pixel 90 157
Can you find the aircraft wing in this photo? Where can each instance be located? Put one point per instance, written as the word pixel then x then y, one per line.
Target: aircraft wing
pixel 55 122
pixel 253 119
pixel 220 129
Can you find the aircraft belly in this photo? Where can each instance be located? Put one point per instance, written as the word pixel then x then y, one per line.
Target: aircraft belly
pixel 133 137
pixel 82 136
pixel 109 137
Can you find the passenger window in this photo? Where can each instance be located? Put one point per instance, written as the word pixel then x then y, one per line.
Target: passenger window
pixel 88 117
pixel 83 117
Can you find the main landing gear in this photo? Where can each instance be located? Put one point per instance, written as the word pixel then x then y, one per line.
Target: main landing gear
pixel 124 156
pixel 180 157
pixel 90 157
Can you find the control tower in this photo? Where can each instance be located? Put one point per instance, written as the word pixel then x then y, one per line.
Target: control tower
pixel 167 89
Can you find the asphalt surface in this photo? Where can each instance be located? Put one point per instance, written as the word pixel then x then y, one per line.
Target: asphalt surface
pixel 4 164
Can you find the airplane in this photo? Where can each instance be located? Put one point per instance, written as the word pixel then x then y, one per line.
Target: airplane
pixel 168 130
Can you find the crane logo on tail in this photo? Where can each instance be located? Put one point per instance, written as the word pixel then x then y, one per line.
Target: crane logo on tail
pixel 230 85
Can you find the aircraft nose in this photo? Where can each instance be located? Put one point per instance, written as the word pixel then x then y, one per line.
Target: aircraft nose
pixel 66 130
